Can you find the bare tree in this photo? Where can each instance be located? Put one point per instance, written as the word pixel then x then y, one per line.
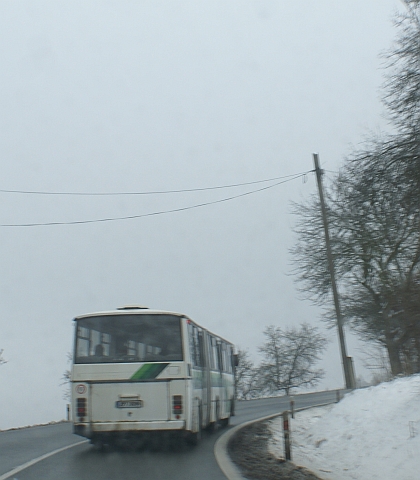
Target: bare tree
pixel 2 360
pixel 374 229
pixel 374 217
pixel 403 66
pixel 289 358
pixel 65 379
pixel 376 360
pixel 402 99
pixel 247 380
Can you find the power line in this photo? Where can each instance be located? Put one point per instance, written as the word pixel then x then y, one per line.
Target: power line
pixel 161 212
pixel 156 192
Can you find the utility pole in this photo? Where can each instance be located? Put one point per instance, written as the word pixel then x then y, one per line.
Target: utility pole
pixel 347 361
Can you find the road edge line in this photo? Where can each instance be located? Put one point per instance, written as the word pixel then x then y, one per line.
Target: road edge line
pixel 230 470
pixel 18 469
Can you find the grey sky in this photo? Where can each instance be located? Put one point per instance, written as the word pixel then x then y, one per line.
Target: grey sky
pixel 104 96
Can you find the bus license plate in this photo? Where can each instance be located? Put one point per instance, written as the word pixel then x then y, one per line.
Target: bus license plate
pixel 129 404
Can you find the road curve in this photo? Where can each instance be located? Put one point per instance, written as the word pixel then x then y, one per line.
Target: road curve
pixel 30 450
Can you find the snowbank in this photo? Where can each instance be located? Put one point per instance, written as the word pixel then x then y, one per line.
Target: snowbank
pixel 372 433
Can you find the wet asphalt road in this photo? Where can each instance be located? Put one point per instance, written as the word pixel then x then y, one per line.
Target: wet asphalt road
pixel 82 462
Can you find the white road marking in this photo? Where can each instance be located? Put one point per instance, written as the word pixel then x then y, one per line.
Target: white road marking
pixel 38 459
pixel 230 470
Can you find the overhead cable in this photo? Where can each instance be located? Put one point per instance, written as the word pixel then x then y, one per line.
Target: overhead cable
pixel 153 192
pixel 150 214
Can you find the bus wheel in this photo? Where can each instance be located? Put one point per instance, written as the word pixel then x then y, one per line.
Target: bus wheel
pixel 98 445
pixel 194 438
pixel 232 407
pixel 224 422
pixel 214 426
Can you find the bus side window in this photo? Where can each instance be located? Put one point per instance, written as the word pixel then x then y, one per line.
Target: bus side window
pixel 191 342
pixel 210 349
pixel 215 351
pixel 201 348
pixel 229 360
pixel 223 350
pixel 226 358
pixel 194 345
pixel 220 356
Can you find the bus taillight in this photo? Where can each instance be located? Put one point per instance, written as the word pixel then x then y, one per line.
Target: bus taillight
pixel 81 408
pixel 177 405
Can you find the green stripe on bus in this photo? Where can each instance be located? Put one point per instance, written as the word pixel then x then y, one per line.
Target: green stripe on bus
pixel 149 371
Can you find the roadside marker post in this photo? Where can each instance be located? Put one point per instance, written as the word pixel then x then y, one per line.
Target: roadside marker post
pixel 292 406
pixel 286 433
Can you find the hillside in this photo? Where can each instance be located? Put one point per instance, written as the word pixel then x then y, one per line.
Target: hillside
pixel 373 433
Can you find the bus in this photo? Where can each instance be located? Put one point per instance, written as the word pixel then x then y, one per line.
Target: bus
pixel 140 374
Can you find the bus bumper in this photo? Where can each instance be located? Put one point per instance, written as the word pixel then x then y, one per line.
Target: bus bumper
pixel 90 430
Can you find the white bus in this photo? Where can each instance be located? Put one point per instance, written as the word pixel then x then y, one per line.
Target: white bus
pixel 138 373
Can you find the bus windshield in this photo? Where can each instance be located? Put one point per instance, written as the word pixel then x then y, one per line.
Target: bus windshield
pixel 128 338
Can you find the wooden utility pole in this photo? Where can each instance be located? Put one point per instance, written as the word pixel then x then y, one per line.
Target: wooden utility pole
pixel 347 361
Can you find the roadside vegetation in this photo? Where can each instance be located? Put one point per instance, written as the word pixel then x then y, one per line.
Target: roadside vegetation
pixel 65 379
pixel 373 209
pixel 288 362
pixel 374 218
pixel 2 360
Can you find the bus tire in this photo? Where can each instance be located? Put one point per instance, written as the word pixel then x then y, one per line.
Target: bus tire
pixel 224 422
pixel 194 438
pixel 98 445
pixel 214 426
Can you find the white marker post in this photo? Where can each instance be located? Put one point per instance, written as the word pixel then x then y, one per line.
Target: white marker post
pixel 286 432
pixel 292 406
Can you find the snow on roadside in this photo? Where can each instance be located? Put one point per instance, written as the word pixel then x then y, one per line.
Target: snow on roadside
pixel 53 422
pixel 367 436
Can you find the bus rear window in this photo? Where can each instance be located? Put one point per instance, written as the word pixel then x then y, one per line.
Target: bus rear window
pixel 128 338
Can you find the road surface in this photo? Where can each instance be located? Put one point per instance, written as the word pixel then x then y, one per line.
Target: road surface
pixel 29 454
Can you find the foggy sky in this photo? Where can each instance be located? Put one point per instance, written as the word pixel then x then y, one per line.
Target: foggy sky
pixel 129 96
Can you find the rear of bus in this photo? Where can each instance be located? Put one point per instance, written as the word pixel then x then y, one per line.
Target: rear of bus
pixel 129 377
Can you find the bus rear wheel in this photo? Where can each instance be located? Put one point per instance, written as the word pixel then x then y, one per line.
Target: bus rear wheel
pixel 214 426
pixel 98 444
pixel 224 422
pixel 194 438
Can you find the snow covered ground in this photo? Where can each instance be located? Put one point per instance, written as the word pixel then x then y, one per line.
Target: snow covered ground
pixel 373 433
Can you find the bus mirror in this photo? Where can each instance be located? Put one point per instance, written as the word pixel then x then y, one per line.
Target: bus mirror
pixel 235 360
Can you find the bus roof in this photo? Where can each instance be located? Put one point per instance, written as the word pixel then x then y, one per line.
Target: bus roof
pixel 140 310
pixel 129 311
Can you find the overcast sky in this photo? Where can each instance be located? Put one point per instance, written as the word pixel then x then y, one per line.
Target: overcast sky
pixel 136 96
